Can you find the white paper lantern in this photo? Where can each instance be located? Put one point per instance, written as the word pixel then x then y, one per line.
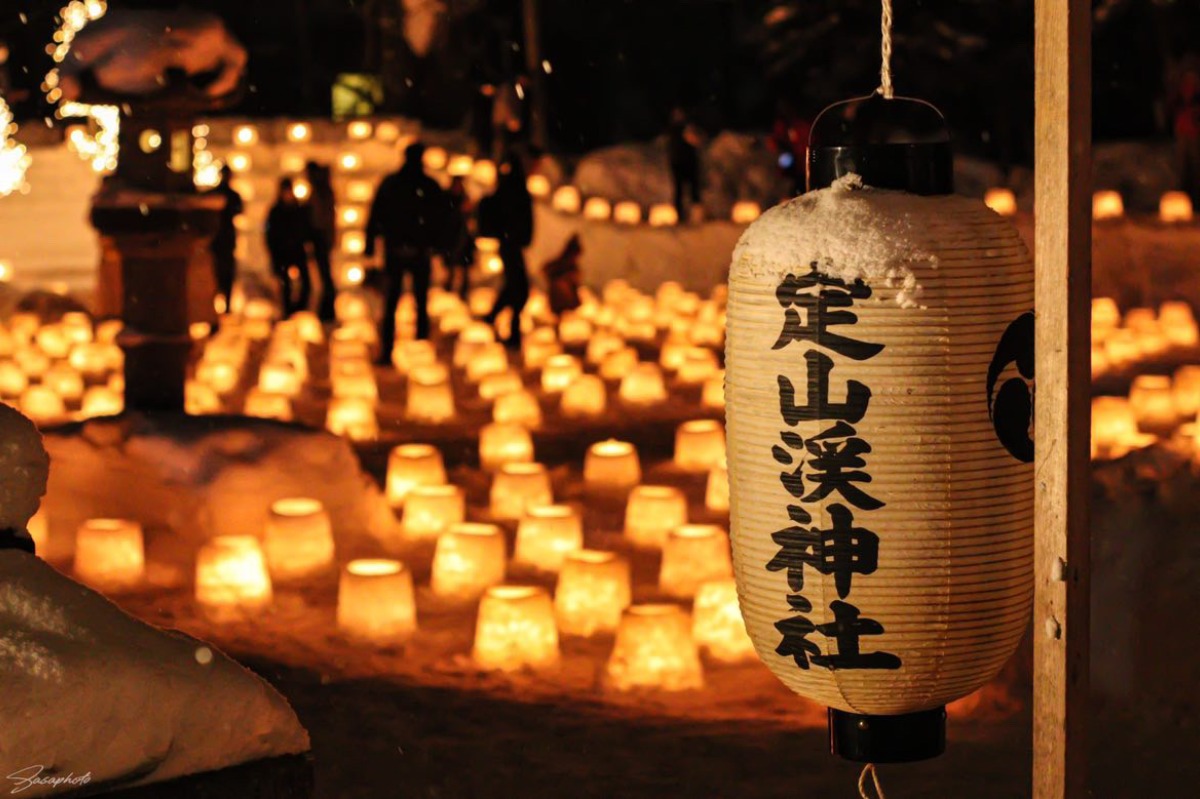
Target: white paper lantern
pixel 879 360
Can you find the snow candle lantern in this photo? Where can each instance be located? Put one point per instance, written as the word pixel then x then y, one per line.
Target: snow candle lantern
pixel 110 554
pixel 515 629
pixel 597 209
pixel 566 200
pixel 1175 207
pixel 538 186
pixel 643 385
pixel 262 404
pixel 558 372
pixel 699 445
pixel 501 444
pixel 716 491
pixel 1002 201
pixel 518 407
pixel 1185 389
pixel 1114 427
pixel 469 559
pixel 298 538
pixel 693 554
pixel 652 512
pixel 627 212
pixel 500 383
pixel 430 510
pixel 586 396
pixel 611 465
pixel 879 367
pixel 546 535
pixel 663 215
pixel 654 649
pixel 231 577
pixel 1178 324
pixel 518 487
pixel 42 405
pixel 1153 404
pixel 1107 205
pixel 353 417
pixel 593 590
pixel 430 395
pixel 412 465
pixel 376 602
pixel 745 211
pixel 717 623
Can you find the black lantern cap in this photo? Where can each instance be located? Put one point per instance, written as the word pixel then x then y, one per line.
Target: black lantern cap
pixel 901 143
pixel 905 738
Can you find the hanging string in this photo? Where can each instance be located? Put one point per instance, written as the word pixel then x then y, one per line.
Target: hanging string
pixel 870 767
pixel 885 71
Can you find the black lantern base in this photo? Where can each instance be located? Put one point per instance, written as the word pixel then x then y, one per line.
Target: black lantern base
pixel 887 739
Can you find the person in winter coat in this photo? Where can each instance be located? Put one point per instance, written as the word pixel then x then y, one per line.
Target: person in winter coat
pixel 460 244
pixel 225 241
pixel 683 155
pixel 563 276
pixel 289 235
pixel 507 215
pixel 323 217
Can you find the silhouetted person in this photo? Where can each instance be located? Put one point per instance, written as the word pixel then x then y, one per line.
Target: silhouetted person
pixel 507 215
pixel 683 155
pixel 322 208
pixel 289 231
pixel 789 142
pixel 1186 123
pixel 564 277
pixel 409 213
pixel 225 241
pixel 460 244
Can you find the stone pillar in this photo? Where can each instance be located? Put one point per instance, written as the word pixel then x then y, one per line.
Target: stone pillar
pixel 158 241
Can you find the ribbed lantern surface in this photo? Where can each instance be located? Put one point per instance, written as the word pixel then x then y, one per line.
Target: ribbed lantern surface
pixel 879 403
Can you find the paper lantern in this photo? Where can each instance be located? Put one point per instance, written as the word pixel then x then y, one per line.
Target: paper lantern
pixel 878 368
pixel 231 578
pixel 519 408
pixel 744 212
pixel 376 603
pixel 430 510
pixel 101 401
pixel 1107 204
pixel 593 590
pixel 716 491
pixel 501 444
pixel 266 405
pixel 597 209
pixel 430 395
pixel 471 341
pixel 1153 404
pixel 663 215
pixel 627 212
pixel 693 554
pixel 652 512
pixel 717 624
pixel 654 649
pixel 298 539
pixel 546 535
pixel 518 487
pixel 412 465
pixel 699 445
pixel 515 629
pixel 352 417
pixel 110 554
pixel 559 372
pixel 611 465
pixel 1178 324
pixel 468 559
pixel 586 396
pixel 1175 207
pixel 643 385
pixel 42 405
pixel 1002 201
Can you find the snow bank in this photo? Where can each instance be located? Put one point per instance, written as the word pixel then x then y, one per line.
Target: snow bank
pixel 24 468
pixel 89 690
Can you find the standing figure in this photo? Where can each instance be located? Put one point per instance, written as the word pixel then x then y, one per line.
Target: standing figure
pixel 322 207
pixel 409 212
pixel 225 241
pixel 564 276
pixel 507 215
pixel 683 154
pixel 289 233
pixel 1186 112
pixel 789 143
pixel 460 244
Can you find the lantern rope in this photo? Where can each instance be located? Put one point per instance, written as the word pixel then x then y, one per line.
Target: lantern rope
pixel 885 70
pixel 870 767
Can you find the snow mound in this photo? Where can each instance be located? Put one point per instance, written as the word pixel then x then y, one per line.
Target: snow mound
pixel 96 696
pixel 24 467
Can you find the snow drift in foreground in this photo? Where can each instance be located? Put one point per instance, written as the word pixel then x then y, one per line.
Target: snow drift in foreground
pixel 89 690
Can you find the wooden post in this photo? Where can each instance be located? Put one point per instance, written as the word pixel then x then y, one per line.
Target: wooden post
pixel 1063 406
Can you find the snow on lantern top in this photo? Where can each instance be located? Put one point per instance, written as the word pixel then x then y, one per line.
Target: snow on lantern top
pixel 25 467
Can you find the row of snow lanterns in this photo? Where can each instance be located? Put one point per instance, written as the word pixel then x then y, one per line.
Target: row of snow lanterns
pixel 1157 407
pixel 1174 207
pixel 1141 334
pixel 66 369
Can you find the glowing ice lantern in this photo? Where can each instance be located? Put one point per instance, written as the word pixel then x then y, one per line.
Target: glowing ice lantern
pixel 654 649
pixel 627 212
pixel 359 191
pixel 430 395
pixel 483 172
pixel 101 401
pixel 515 629
pixel 712 396
pixel 459 166
pixel 1115 428
pixel 663 215
pixel 468 559
pixel 1177 323
pixel 546 535
pixel 435 159
pixel 65 382
pixel 1107 204
pixel 597 209
pixel 611 465
pixel 110 554
pixel 519 408
pixel 501 444
pixel 245 135
pixel 42 405
pixel 376 603
pixel 699 445
pixel 693 554
pixel 1152 402
pixel 412 465
pixel 1185 391
pixel 717 624
pixel 517 487
pixel 652 512
pixel 716 491
pixel 585 397
pixel 359 130
pixel 566 200
pixel 538 186
pixel 643 385
pixel 231 577
pixel 745 211
pixel 298 539
pixel 430 510
pixel 353 417
pixel 593 590
pixel 299 132
pixel 267 405
pixel 1002 201
pixel 560 371
pixel 1175 207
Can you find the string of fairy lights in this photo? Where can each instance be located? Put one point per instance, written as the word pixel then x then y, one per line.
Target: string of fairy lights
pixel 14 158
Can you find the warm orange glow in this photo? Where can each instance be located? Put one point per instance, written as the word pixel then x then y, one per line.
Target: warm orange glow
pixel 1002 201
pixel 546 535
pixel 1152 403
pixel 566 200
pixel 435 159
pixel 699 364
pixel 359 191
pixel 412 465
pixel 459 166
pixel 221 374
pixel 559 371
pixel 501 383
pixel 266 405
pixel 430 510
pixel 13 381
pixel 245 135
pixel 359 130
pixel 652 512
pixel 231 577
pixel 1106 316
pixel 468 559
pixel 602 344
pixel 64 381
pixel 574 329
pixel 518 407
pixel 593 589
pixel 1175 207
pixel 716 494
pixel 586 396
pixel 654 649
pixel 430 395
pixel 110 554
pixel 298 132
pixel 353 417
pixel 713 394
pixel 612 465
pixel 39 530
pixel 473 339
pixel 489 359
pixel 42 405
pixel 627 213
pixel 694 554
pixel 1115 428
pixel 484 173
pixel 538 186
pixel 745 212
pixel 643 385
pixel 518 487
pixel 298 539
pixel 376 603
pixel 619 363
pixel 539 347
pixel 407 355
pixel 717 623
pixel 200 399
pixel 663 215
pixel 350 162
pixel 597 209
pixel 515 629
pixel 1178 324
pixel 1107 204
pixel 1185 390
pixel 279 377
pixel 699 445
pixel 501 444
pixel 1123 347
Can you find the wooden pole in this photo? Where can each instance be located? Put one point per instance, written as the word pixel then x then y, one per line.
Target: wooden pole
pixel 1063 407
pixel 539 122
